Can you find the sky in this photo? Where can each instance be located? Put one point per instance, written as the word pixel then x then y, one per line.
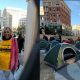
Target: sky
pixel 74 5
pixel 13 3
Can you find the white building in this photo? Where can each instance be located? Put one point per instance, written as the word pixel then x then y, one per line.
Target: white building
pixel 42 21
pixel 1 20
pixel 76 30
pixel 23 22
pixel 12 16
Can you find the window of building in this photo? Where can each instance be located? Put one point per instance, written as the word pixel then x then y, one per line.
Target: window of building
pixel 44 3
pixel 45 18
pixel 64 7
pixel 51 15
pixel 59 15
pixel 42 18
pixel 49 3
pixel 57 8
pixel 54 10
pixel 42 24
pixel 46 13
pixel 57 4
pixel 54 15
pixel 46 8
pixel 51 20
pixel 50 8
pixel 54 20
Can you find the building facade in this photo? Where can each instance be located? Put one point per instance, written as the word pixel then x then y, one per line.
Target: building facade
pixel 12 17
pixel 57 12
pixel 76 30
pixel 22 22
pixel 42 21
pixel 22 25
pixel 1 20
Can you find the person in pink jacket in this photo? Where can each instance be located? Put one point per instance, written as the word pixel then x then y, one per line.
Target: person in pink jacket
pixel 8 52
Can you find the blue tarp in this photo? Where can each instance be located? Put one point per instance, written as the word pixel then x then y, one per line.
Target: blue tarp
pixel 53 43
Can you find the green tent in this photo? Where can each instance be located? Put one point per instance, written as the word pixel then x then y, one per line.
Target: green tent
pixel 53 43
pixel 77 45
pixel 58 54
pixel 44 45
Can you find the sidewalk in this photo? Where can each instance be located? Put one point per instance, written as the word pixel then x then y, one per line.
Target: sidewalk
pixel 70 72
pixel 46 73
pixel 59 77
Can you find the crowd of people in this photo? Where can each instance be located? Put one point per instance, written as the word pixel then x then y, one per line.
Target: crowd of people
pixel 55 37
pixel 58 37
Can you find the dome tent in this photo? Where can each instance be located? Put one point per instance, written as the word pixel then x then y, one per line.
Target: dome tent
pixel 53 43
pixel 44 45
pixel 77 45
pixel 59 54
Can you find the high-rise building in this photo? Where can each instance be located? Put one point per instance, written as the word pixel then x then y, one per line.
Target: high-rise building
pixel 57 12
pixel 12 16
pixel 23 21
pixel 23 25
pixel 76 30
pixel 1 20
pixel 42 21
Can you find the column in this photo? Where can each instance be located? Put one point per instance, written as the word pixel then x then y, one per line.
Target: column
pixel 31 29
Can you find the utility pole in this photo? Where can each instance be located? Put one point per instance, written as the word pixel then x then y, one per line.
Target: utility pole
pixel 31 29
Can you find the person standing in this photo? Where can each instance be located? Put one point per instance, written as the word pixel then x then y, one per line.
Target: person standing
pixel 8 52
pixel 58 37
pixel 78 40
pixel 45 38
pixel 20 40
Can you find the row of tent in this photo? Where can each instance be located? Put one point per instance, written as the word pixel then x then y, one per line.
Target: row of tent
pixel 57 53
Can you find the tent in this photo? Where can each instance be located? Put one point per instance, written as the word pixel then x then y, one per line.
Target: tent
pixel 77 45
pixel 53 43
pixel 44 45
pixel 59 54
